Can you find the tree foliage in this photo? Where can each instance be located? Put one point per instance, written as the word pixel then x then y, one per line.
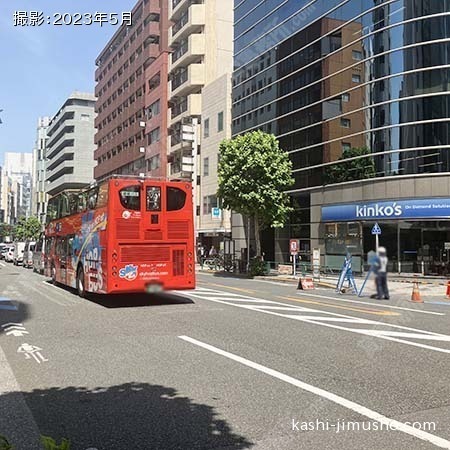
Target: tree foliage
pixel 254 174
pixel 6 230
pixel 354 169
pixel 28 229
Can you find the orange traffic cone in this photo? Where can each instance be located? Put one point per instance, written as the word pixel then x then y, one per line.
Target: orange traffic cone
pixel 448 289
pixel 415 296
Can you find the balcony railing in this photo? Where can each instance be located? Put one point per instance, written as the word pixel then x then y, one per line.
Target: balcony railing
pixel 179 108
pixel 180 78
pixel 175 3
pixel 181 23
pixel 180 51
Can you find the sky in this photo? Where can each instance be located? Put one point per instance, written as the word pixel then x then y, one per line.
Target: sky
pixel 40 66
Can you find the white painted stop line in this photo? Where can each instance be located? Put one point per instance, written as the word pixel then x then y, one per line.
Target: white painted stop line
pixel 391 423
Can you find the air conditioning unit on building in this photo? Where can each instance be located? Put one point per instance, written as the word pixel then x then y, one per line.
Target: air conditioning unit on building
pixel 142 149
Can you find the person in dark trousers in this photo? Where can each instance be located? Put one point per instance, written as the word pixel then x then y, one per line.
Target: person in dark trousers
pixel 380 268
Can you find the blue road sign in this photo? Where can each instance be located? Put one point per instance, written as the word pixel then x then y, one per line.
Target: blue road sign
pixel 376 229
pixel 215 213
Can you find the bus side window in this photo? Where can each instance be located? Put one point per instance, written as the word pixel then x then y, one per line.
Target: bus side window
pixel 81 203
pixel 92 198
pixel 102 198
pixel 130 197
pixel 70 246
pixel 64 206
pixel 153 198
pixel 52 210
pixel 73 203
pixel 176 199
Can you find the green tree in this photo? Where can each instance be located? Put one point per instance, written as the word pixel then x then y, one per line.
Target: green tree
pixel 28 229
pixel 6 230
pixel 254 174
pixel 355 168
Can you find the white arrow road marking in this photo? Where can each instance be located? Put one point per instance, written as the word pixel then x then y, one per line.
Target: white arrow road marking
pixel 323 318
pixel 16 329
pixel 17 333
pixel 11 324
pixel 356 407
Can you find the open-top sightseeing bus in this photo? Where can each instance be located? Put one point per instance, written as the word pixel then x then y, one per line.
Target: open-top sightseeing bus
pixel 123 235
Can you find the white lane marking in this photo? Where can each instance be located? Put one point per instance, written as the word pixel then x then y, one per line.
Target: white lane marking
pixel 54 300
pixel 68 297
pixel 2 264
pixel 356 407
pixel 209 295
pixel 382 305
pixel 359 302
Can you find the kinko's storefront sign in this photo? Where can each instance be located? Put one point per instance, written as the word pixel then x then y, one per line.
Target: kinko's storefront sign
pixel 422 208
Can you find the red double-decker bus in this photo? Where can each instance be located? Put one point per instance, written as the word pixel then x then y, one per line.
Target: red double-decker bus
pixel 123 235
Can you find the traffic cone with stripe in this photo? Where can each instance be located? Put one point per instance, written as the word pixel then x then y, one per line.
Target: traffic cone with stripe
pixel 415 296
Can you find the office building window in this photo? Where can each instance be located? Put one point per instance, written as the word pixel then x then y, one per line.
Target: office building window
pixel 356 78
pixel 153 136
pixel 220 121
pixel 357 55
pixel 206 128
pixel 345 123
pixel 346 146
pixel 345 97
pixel 209 202
pixel 205 167
pixel 154 163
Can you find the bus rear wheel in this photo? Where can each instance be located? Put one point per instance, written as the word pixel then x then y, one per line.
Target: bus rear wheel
pixel 80 283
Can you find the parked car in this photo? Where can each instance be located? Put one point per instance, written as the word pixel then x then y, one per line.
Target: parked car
pixel 19 249
pixel 28 254
pixel 9 255
pixel 3 249
pixel 39 256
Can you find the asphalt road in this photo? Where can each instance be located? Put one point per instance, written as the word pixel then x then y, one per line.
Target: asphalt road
pixel 236 364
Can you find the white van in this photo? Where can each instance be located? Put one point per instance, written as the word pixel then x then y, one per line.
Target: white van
pixel 39 256
pixel 28 254
pixel 19 249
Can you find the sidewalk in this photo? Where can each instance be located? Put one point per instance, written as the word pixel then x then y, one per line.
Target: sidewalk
pixel 430 290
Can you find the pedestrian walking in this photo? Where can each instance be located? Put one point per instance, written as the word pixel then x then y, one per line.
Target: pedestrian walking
pixel 380 268
pixel 212 251
pixel 201 255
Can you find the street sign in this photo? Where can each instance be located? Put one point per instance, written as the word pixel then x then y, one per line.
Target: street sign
pixel 316 263
pixel 376 230
pixel 215 213
pixel 293 246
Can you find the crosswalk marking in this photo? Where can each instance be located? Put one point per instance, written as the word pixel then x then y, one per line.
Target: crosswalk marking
pixel 382 330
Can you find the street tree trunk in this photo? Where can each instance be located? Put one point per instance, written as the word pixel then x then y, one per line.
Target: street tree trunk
pixel 257 235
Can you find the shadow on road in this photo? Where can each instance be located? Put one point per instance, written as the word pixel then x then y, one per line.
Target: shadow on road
pixel 232 275
pixel 139 300
pixel 131 300
pixel 130 416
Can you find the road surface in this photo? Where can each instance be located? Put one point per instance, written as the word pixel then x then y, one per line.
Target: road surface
pixel 235 364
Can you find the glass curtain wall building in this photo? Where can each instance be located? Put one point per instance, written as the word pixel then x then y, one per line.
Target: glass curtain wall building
pixel 328 76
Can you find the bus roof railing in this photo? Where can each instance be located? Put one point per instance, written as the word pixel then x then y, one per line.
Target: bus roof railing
pixel 137 177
